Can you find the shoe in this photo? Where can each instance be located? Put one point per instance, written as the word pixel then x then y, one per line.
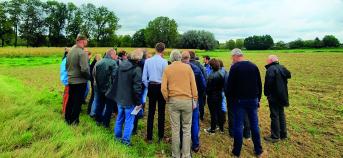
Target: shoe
pixel 148 141
pixel 222 131
pixel 262 155
pixel 271 139
pixel 209 131
pixel 196 149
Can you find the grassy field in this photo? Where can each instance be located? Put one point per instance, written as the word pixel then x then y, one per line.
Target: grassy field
pixel 31 124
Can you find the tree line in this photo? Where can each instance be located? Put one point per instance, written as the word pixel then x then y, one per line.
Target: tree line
pixel 35 23
pixel 266 42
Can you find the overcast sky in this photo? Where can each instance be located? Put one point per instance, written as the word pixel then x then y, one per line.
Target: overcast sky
pixel 283 19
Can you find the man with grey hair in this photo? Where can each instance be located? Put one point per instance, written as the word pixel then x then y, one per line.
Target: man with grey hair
pixel 244 89
pixel 104 75
pixel 180 91
pixel 128 95
pixel 276 90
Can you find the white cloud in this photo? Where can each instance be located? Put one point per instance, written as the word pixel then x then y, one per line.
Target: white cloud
pixel 282 19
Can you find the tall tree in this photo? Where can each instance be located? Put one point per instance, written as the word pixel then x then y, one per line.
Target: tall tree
pixel 317 43
pixel 161 29
pixel 88 26
pixel 330 41
pixel 15 10
pixel 74 23
pixel 32 28
pixel 239 43
pixel 138 39
pixel 231 44
pixel 5 24
pixel 106 23
pixel 258 42
pixel 55 21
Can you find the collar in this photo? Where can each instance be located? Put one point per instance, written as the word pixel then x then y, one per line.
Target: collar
pixel 273 63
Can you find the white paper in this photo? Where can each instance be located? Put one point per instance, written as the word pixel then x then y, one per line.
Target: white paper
pixel 136 110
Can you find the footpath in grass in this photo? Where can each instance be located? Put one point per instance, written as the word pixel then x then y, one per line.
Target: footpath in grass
pixel 32 126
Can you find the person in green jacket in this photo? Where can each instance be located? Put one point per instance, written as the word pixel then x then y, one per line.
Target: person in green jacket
pixel 78 76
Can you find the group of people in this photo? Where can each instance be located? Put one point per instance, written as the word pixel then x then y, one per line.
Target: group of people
pixel 121 83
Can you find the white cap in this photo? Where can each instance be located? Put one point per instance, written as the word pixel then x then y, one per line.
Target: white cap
pixel 237 52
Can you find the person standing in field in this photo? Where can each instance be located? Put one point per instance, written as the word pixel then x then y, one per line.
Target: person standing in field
pixel 78 75
pixel 214 89
pixel 201 85
pixel 152 78
pixel 105 72
pixel 180 91
pixel 64 79
pixel 244 93
pixel 207 65
pixel 91 100
pixel 276 90
pixel 128 95
pixel 201 93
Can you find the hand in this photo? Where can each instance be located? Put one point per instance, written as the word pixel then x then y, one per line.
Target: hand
pixel 194 104
pixel 139 106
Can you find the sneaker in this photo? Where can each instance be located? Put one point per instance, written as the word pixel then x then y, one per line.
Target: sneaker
pixel 196 149
pixel 262 155
pixel 271 139
pixel 209 131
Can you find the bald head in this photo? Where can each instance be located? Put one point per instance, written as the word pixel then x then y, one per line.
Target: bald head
pixel 272 59
pixel 185 56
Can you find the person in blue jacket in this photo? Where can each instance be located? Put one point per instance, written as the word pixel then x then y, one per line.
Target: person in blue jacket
pixel 64 79
pixel 201 85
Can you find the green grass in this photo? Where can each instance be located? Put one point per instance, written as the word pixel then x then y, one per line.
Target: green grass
pixel 31 124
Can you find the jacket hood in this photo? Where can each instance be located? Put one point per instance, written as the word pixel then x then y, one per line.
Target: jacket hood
pixel 125 65
pixel 283 71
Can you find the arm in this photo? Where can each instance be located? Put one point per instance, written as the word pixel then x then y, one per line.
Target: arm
pixel 137 85
pixel 164 86
pixel 259 84
pixel 268 82
pixel 145 75
pixel 193 84
pixel 84 65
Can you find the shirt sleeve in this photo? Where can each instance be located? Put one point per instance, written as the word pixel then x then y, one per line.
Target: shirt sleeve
pixel 145 74
pixel 164 86
pixel 193 84
pixel 84 65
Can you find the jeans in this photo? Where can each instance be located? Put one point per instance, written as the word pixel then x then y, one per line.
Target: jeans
pixel 91 100
pixel 76 94
pixel 155 95
pixel 278 121
pixel 124 116
pixel 240 109
pixel 104 109
pixel 94 104
pixel 246 126
pixel 195 133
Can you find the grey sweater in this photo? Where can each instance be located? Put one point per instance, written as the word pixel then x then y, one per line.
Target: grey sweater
pixel 77 66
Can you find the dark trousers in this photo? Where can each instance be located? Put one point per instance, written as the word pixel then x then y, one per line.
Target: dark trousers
pixel 246 126
pixel 202 102
pixel 217 115
pixel 240 109
pixel 278 121
pixel 76 95
pixel 90 103
pixel 104 109
pixel 155 95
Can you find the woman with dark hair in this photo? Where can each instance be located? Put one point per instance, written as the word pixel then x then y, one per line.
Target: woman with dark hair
pixel 215 84
pixel 64 79
pixel 91 100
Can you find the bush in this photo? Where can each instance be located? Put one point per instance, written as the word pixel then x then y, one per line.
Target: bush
pixel 258 42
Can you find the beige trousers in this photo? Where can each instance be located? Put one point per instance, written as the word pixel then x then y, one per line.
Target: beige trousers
pixel 180 117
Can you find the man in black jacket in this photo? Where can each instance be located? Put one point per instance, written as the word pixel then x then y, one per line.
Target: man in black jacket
pixel 276 90
pixel 128 96
pixel 104 75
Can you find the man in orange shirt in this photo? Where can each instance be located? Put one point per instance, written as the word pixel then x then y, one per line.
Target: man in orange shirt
pixel 180 92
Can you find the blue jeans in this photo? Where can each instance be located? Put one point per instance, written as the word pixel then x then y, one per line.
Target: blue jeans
pixel 240 108
pixel 195 128
pixel 94 104
pixel 124 115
